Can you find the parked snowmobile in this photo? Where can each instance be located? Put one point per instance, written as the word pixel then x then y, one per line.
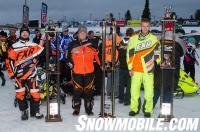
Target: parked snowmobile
pixel 186 85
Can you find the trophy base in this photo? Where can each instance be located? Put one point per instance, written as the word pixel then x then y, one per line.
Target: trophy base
pixel 53 118
pixel 167 118
pixel 106 115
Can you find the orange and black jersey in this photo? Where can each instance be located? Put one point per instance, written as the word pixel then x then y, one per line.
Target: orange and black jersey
pixel 82 55
pixel 22 59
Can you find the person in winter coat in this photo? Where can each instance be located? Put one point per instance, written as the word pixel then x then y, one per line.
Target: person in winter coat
pixel 124 78
pixel 190 60
pixel 64 41
pixel 21 64
pixel 3 55
pixel 81 55
pixel 96 41
pixel 167 74
pixel 12 38
pixel 37 37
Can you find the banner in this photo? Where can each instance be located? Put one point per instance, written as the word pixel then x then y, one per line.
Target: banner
pixel 121 23
pixel 44 15
pixel 191 23
pixel 133 23
pixel 25 15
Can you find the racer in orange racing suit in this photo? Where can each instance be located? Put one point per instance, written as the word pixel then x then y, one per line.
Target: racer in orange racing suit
pixel 81 54
pixel 21 65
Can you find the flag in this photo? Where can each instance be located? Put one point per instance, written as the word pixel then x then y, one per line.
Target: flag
pixel 43 15
pixel 25 15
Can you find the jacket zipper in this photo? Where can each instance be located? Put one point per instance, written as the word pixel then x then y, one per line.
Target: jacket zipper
pixel 83 60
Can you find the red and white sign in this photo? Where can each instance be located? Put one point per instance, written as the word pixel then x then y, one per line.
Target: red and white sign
pixel 121 23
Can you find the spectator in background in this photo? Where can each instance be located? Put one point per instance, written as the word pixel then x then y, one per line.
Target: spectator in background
pixel 64 41
pixel 190 60
pixel 97 70
pixel 124 78
pixel 108 59
pixel 168 73
pixel 3 54
pixel 12 38
pixel 37 37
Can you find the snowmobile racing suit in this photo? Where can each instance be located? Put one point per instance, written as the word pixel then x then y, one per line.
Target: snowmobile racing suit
pixel 21 64
pixel 82 55
pixel 141 54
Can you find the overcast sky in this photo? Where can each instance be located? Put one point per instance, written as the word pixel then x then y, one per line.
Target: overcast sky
pixel 11 10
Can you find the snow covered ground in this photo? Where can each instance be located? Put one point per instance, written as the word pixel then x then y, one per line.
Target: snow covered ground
pixel 188 107
pixel 10 116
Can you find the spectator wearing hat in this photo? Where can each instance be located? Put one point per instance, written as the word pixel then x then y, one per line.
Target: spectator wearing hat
pixel 64 41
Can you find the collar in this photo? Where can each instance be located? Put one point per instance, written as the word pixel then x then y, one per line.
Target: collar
pixel 142 36
pixel 23 41
pixel 82 42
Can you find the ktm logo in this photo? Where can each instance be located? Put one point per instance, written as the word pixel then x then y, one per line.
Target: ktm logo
pixel 143 45
pixel 25 53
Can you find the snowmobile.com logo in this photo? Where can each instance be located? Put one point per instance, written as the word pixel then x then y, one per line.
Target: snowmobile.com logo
pixel 136 124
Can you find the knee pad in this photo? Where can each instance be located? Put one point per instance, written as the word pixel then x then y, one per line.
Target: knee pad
pixel 35 94
pixel 20 95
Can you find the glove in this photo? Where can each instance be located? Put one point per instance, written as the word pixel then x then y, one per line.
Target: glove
pixel 70 65
pixel 19 73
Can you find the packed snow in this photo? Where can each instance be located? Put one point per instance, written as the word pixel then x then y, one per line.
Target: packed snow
pixel 10 119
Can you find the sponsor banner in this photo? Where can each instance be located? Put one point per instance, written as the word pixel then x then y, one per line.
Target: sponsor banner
pixel 43 15
pixel 121 23
pixel 133 23
pixel 191 23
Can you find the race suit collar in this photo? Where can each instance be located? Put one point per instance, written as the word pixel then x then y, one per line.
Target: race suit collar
pixel 85 41
pixel 142 36
pixel 23 41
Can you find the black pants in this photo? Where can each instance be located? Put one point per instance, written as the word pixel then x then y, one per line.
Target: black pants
pixel 2 77
pixel 98 79
pixel 1 74
pixel 83 87
pixel 34 105
pixel 65 72
pixel 167 84
pixel 190 69
pixel 26 90
pixel 124 81
pixel 42 60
